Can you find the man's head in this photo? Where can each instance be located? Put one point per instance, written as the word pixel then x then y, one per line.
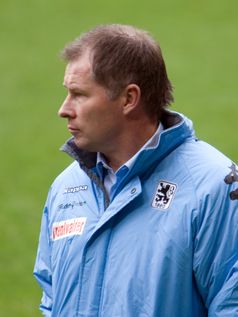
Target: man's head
pixel 121 55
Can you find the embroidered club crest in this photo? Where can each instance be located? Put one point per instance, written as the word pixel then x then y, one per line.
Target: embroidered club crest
pixel 164 195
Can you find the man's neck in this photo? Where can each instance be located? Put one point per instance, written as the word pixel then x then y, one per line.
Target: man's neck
pixel 129 144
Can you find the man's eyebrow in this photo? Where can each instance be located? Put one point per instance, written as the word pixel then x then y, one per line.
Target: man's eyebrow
pixel 74 89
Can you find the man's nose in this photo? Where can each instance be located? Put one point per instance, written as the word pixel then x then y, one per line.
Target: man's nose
pixel 66 110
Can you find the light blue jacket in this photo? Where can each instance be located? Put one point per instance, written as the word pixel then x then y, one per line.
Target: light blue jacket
pixel 166 245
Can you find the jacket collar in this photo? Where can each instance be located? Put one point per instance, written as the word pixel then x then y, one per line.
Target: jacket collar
pixel 177 128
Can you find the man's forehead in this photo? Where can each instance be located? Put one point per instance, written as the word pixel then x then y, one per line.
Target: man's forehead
pixel 80 68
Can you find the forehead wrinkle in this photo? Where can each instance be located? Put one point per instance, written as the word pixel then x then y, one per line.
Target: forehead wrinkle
pixel 77 69
pixel 75 76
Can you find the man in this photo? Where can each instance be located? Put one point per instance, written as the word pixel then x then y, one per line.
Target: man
pixel 144 221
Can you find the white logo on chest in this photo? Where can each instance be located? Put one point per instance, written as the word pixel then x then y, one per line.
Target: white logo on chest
pixel 76 189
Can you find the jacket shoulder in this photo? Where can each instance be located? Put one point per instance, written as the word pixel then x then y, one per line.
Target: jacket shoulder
pixel 70 169
pixel 204 162
pixel 208 170
pixel 69 175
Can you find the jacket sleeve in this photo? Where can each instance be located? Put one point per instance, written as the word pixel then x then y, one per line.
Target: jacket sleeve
pixel 42 269
pixel 216 249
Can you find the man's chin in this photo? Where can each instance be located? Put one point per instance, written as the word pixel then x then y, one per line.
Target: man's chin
pixel 79 143
pixel 83 145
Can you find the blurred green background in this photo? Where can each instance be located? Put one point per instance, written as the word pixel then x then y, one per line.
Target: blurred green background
pixel 199 43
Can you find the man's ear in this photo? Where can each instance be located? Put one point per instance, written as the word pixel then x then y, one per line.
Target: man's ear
pixel 132 97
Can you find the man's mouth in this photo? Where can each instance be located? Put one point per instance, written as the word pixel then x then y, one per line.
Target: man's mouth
pixel 72 129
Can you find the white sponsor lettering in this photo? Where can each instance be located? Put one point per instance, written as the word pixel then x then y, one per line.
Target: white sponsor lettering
pixel 71 190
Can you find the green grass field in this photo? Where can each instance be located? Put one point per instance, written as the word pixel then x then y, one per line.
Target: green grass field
pixel 199 42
